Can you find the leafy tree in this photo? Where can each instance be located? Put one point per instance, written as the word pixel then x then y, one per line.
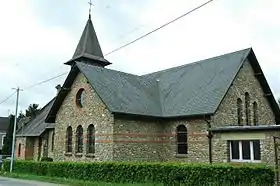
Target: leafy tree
pixel 21 115
pixel 32 110
pixel 7 146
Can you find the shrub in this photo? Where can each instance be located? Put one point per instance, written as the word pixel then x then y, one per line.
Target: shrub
pixel 167 173
pixel 46 159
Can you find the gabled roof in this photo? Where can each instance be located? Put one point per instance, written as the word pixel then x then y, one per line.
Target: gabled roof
pixel 194 89
pixel 88 48
pixel 37 125
pixel 4 124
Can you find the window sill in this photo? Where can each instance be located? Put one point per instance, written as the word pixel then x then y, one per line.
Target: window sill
pixel 245 161
pixel 68 154
pixel 79 154
pixel 181 155
pixel 90 155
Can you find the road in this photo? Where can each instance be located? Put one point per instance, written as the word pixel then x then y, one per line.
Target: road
pixel 17 182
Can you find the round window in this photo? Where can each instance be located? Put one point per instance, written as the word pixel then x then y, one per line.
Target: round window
pixel 80 97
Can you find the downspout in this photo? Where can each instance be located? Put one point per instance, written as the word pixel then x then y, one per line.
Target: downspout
pixel 210 136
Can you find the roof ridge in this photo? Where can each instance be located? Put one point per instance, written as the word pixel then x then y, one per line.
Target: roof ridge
pixel 195 62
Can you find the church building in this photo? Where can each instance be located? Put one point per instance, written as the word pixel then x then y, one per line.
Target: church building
pixel 215 110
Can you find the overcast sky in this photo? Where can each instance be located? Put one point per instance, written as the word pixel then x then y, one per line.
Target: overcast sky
pixel 38 36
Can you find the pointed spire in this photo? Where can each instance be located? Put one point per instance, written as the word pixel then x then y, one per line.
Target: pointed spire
pixel 88 49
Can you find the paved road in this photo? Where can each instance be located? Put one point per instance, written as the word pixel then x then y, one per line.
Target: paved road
pixel 17 182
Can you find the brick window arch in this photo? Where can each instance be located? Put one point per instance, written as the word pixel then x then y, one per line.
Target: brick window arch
pixel 69 134
pixel 79 139
pixel 247 108
pixel 239 112
pixel 182 139
pixel 90 139
pixel 255 110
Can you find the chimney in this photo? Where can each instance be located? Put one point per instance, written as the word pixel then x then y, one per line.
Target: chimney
pixel 58 88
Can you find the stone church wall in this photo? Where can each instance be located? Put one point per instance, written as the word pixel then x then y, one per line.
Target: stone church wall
pixel 50 143
pixel 227 112
pixel 198 144
pixel 136 140
pixel 94 112
pixel 245 82
pixel 20 148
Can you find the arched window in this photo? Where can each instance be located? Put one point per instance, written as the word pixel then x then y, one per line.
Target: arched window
pixel 91 139
pixel 69 134
pixel 52 141
pixel 255 109
pixel 79 139
pixel 182 139
pixel 80 97
pixel 239 111
pixel 247 108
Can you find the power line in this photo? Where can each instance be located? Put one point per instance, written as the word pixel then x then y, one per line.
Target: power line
pixel 36 84
pixel 133 41
pixel 162 26
pixel 6 99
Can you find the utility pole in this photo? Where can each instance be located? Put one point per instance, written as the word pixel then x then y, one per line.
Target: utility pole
pixel 14 132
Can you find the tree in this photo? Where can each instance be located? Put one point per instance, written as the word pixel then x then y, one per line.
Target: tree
pixel 32 110
pixel 21 115
pixel 7 146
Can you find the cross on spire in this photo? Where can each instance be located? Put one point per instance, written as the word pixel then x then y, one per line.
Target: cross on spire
pixel 90 5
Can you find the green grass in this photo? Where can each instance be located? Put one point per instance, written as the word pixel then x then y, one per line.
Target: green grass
pixel 68 182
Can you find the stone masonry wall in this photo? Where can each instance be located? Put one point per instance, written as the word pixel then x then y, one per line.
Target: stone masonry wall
pixel 220 152
pixel 136 140
pixel 37 155
pixel 245 82
pixel 20 147
pixel 227 112
pixel 198 143
pixel 50 143
pixel 94 112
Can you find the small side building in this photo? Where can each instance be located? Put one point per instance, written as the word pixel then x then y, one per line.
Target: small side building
pixel 35 139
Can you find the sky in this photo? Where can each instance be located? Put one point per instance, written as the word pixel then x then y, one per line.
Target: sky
pixel 37 37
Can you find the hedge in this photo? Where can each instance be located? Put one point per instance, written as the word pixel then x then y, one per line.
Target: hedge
pixel 167 173
pixel 46 159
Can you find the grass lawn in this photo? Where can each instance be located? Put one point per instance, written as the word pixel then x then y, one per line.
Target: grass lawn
pixel 67 181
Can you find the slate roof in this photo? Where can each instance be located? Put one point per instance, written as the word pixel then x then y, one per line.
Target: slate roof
pixel 4 124
pixel 37 125
pixel 192 89
pixel 189 90
pixel 88 48
pixel 195 89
